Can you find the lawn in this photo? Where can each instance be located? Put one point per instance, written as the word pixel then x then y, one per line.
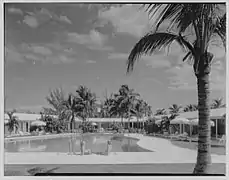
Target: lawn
pixel 220 150
pixel 20 170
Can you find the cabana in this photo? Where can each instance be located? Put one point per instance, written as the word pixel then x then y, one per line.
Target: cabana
pixel 195 122
pixel 216 115
pixel 181 121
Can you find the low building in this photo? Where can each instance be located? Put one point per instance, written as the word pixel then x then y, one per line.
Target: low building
pixel 216 115
pixel 25 121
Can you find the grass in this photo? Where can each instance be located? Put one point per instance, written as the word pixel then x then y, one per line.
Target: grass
pixel 220 150
pixel 23 170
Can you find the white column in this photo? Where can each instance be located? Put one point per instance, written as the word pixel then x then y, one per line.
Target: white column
pixel 132 124
pixel 23 126
pixel 29 126
pixel 69 126
pixel 216 126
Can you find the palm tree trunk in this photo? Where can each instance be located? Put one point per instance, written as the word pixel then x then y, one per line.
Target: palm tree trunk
pixel 204 128
pixel 138 125
pixel 72 119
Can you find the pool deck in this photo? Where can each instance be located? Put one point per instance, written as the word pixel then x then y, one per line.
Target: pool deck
pixel 164 152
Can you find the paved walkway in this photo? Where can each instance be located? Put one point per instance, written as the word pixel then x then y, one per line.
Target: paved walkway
pixel 163 152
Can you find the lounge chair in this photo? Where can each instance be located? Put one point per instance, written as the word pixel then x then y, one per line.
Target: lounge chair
pixel 193 138
pixel 181 137
pixel 174 135
pixel 222 140
pixel 164 135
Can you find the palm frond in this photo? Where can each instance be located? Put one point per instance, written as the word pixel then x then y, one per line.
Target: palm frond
pixel 154 41
pixel 221 29
pixel 163 12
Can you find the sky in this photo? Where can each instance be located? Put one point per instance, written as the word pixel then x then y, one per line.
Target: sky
pixel 49 46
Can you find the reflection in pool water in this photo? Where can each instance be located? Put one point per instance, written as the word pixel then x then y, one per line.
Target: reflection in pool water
pixel 96 142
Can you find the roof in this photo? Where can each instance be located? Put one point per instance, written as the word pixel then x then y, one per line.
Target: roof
pixel 214 114
pixel 34 117
pixel 24 116
pixel 158 117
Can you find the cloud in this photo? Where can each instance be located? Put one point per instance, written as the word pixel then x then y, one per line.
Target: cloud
pixel 50 53
pixel 94 40
pixel 35 19
pixel 151 80
pixel 90 61
pixel 31 21
pixel 12 54
pixel 65 19
pixel 41 50
pixel 182 77
pixel 16 11
pixel 33 57
pixel 156 61
pixel 54 59
pixel 125 19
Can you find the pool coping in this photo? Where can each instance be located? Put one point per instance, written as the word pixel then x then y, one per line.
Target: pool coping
pixel 47 136
pixel 160 155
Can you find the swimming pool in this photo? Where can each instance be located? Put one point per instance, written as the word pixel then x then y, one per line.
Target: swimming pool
pixel 96 142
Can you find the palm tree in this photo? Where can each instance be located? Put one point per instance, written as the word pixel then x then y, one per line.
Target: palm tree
pixel 174 109
pixel 72 108
pixel 217 103
pixel 205 21
pixel 160 112
pixel 139 109
pixel 190 107
pixel 125 101
pixel 13 123
pixel 106 110
pixel 149 110
pixel 86 101
pixel 55 100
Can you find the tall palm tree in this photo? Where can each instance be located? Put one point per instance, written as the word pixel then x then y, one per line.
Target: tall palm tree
pixel 139 109
pixel 13 123
pixel 145 108
pixel 217 103
pixel 205 21
pixel 125 100
pixel 72 109
pixel 106 110
pixel 149 110
pixel 87 101
pixel 55 100
pixel 174 109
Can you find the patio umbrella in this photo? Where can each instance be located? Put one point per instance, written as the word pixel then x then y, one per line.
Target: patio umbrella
pixel 94 124
pixel 38 123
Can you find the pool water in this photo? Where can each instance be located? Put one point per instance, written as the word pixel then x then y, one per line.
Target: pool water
pixel 96 142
